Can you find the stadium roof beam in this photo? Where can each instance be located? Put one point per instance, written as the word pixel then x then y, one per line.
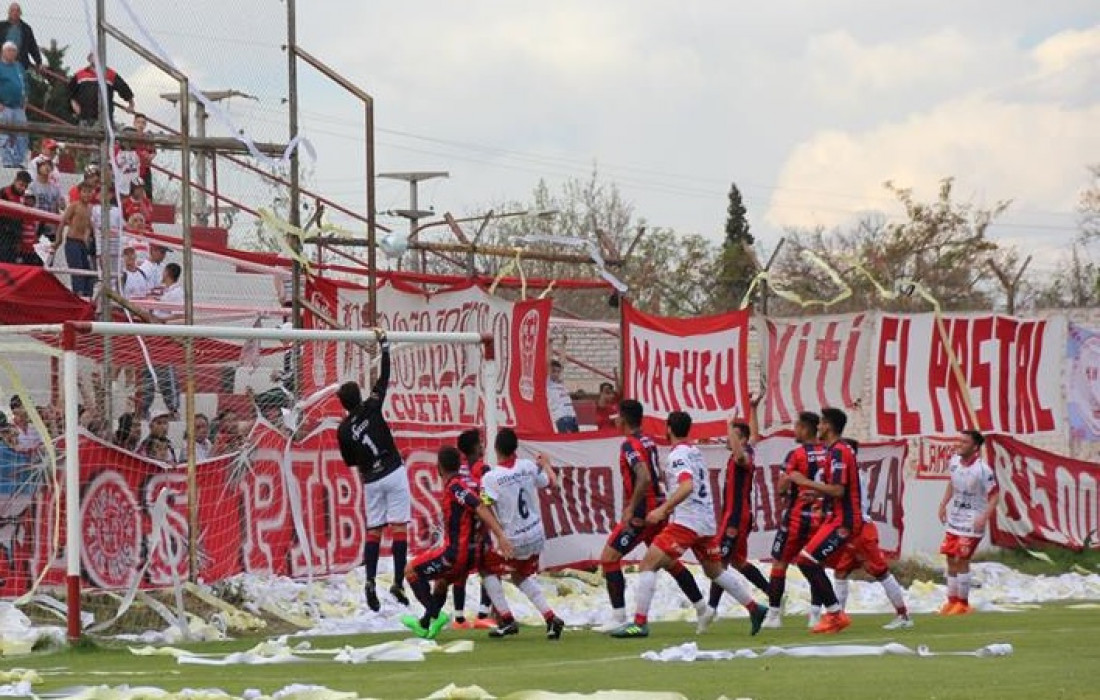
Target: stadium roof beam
pixel 168 142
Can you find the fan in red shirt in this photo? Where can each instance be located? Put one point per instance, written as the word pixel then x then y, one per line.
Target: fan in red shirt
pixel 639 468
pixel 473 466
pixel 844 520
pixel 607 407
pixel 27 255
pixel 137 202
pixel 802 512
pixel 737 511
pixel 462 547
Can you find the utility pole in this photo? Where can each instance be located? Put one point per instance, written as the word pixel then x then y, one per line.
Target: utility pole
pixel 414 213
pixel 202 209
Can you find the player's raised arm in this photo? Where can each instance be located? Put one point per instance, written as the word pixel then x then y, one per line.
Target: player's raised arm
pixel 547 470
pixel 383 383
pixel 754 419
pixel 737 450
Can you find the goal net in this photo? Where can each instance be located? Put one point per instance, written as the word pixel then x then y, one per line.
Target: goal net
pixel 190 462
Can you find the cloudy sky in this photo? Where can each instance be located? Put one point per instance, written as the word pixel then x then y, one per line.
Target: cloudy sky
pixel 808 106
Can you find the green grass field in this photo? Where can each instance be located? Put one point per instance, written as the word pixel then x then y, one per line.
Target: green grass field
pixel 1057 655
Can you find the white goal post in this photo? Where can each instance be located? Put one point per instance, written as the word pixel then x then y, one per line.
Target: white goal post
pixel 75 337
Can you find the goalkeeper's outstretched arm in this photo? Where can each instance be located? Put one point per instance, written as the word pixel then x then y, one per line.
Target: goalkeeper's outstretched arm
pixel 383 383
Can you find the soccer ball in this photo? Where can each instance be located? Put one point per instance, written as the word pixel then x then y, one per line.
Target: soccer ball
pixel 394 244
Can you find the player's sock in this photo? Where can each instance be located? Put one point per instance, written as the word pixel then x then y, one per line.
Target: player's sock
pixel 485 606
pixel 750 572
pixel 643 596
pixel 423 592
pixel 964 587
pixel 370 553
pixel 686 581
pixel 460 600
pixel 616 583
pixel 715 595
pixel 495 590
pixel 777 586
pixel 894 593
pixel 841 588
pixel 531 588
pixel 819 580
pixel 729 583
pixel 952 587
pixel 400 548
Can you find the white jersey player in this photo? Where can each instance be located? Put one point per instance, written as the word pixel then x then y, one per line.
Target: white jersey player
pixel 511 487
pixel 967 506
pixel 689 510
pixel 696 512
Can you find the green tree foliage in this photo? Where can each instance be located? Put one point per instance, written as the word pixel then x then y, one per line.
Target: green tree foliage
pixel 49 93
pixel 737 262
pixel 1076 281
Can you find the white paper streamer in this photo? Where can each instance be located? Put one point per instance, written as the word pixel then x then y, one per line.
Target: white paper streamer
pixel 571 242
pixel 690 652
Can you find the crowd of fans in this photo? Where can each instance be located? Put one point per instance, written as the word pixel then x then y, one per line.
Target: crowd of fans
pixel 69 243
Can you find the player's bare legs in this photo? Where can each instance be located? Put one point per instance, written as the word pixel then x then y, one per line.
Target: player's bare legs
pixel 894 593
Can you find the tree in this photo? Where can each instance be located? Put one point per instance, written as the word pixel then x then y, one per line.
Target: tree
pixel 1075 284
pixel 942 245
pixel 50 93
pixel 667 273
pixel 1089 206
pixel 737 263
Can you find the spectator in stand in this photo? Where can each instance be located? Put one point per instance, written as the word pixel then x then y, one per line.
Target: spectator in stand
pixel 204 449
pixel 28 242
pixel 11 224
pixel 137 202
pixel 18 32
pixel 173 294
pixel 28 439
pixel 165 374
pixel 92 176
pixel 48 154
pixel 228 436
pixel 84 93
pixel 607 407
pixel 135 285
pixel 14 469
pixel 153 267
pixel 126 435
pixel 156 444
pixel 126 156
pixel 558 399
pixel 77 237
pixel 146 153
pixel 47 195
pixel 13 106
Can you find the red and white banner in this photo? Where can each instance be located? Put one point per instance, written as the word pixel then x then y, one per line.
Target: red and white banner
pixel 697 365
pixel 296 509
pixel 1046 499
pixel 439 386
pixel 1010 367
pixel 933 456
pixel 581 515
pixel 814 364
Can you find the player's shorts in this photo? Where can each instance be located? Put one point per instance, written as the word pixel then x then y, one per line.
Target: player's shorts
pixel 448 564
pixel 735 550
pixel 959 546
pixel 790 538
pixel 827 542
pixel 388 500
pixel 520 567
pixel 624 538
pixel 674 540
pixel 863 550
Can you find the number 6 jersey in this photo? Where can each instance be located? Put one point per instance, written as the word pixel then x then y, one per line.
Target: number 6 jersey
pixel 696 512
pixel 512 489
